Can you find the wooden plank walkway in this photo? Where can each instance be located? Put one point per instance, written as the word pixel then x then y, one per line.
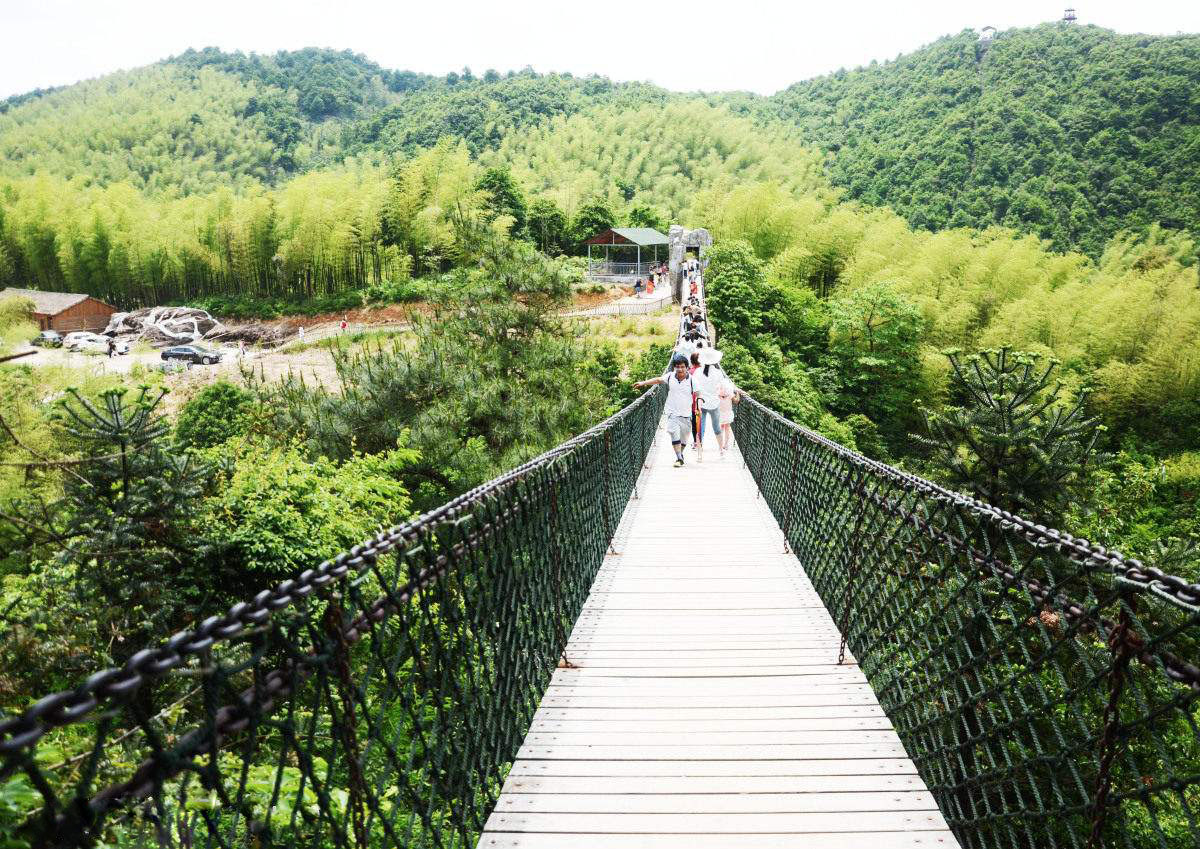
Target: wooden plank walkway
pixel 706 707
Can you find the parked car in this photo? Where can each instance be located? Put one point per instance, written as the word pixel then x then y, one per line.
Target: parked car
pixel 82 340
pixel 47 339
pixel 192 354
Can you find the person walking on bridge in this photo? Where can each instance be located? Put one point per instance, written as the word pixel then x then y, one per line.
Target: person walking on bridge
pixel 685 347
pixel 712 379
pixel 697 433
pixel 707 378
pixel 679 404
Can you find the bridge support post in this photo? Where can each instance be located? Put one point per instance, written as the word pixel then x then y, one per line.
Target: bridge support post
pixel 762 442
pixel 348 728
pixel 1124 644
pixel 560 633
pixel 855 561
pixel 607 497
pixel 791 497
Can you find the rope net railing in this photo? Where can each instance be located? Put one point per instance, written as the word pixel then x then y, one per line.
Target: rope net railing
pixel 1045 688
pixel 376 700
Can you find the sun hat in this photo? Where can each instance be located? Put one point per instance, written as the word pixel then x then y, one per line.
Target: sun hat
pixel 710 356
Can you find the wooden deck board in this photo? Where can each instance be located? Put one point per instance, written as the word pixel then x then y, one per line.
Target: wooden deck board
pixel 860 840
pixel 704 705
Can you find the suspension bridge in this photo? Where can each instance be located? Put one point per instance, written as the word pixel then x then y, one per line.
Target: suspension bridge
pixel 794 646
pixel 701 701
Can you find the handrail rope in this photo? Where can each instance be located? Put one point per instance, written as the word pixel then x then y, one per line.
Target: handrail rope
pixel 67 707
pixel 70 706
pixel 1167 587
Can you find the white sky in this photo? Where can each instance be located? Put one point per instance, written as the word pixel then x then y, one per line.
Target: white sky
pixel 759 45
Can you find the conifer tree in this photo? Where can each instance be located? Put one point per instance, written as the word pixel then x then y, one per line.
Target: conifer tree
pixel 1012 440
pixel 127 509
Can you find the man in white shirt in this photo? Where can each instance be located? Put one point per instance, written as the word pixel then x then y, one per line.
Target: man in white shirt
pixel 679 404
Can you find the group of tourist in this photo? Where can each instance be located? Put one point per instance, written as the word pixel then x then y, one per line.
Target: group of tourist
pixel 699 392
pixel 656 277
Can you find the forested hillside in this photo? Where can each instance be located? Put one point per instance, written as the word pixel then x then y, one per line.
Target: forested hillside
pixel 208 119
pixel 1071 133
pixel 246 184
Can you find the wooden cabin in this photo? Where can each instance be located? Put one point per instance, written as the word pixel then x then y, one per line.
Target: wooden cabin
pixel 64 311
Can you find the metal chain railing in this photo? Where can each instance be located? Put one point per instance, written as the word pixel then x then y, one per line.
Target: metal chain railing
pixel 1046 688
pixel 375 700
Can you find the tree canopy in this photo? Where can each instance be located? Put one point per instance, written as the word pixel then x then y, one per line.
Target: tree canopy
pixel 1072 133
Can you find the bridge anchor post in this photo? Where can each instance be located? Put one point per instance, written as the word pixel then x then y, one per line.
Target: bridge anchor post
pixel 791 499
pixel 1124 644
pixel 855 562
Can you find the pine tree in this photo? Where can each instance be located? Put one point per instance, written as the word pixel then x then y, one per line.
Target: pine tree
pixel 126 510
pixel 1013 441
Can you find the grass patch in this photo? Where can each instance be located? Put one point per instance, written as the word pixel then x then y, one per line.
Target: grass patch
pixel 632 334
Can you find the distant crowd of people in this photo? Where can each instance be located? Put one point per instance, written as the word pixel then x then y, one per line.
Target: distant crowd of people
pixel 656 278
pixel 700 394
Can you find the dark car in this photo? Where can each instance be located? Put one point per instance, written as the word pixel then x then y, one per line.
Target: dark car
pixel 192 353
pixel 47 339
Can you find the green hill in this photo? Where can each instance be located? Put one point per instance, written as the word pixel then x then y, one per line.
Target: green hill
pixel 1069 132
pixel 217 172
pixel 208 119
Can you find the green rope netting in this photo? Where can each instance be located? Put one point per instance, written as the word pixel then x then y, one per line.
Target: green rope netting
pixel 375 701
pixel 1043 686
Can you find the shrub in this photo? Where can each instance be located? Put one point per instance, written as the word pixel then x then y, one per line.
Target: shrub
pixel 16 322
pixel 218 412
pixel 277 511
pixel 397 292
pixel 15 311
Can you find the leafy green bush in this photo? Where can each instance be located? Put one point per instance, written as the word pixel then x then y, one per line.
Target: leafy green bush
pixel 218 412
pixel 16 322
pixel 276 511
pixel 264 308
pixel 15 311
pixel 396 292
pixel 1148 507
